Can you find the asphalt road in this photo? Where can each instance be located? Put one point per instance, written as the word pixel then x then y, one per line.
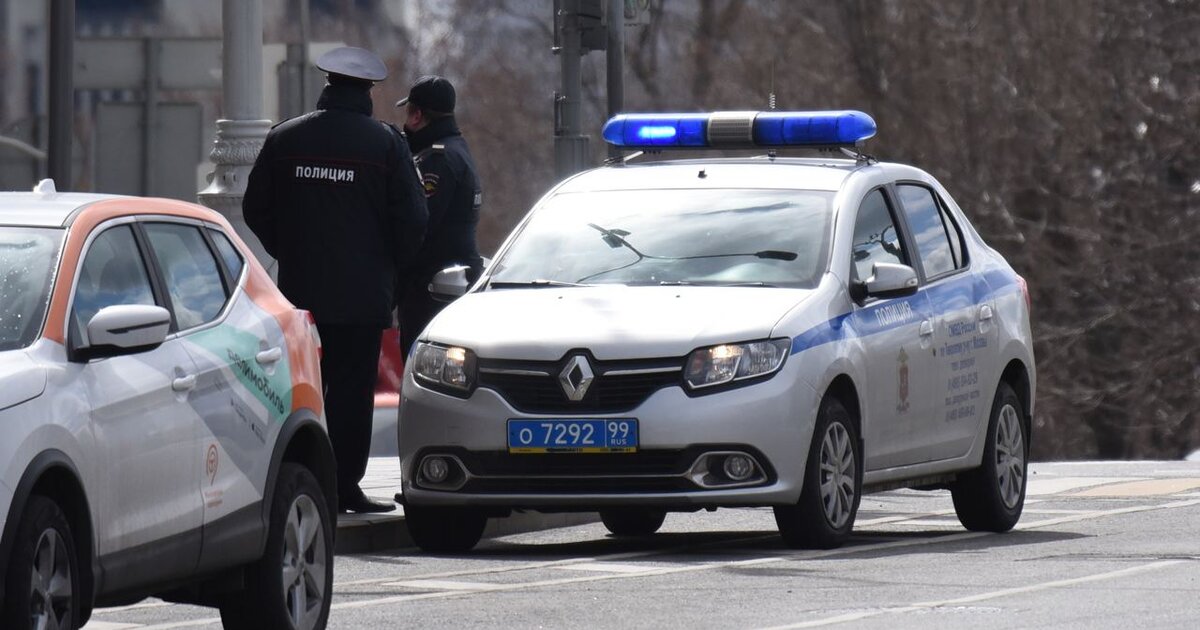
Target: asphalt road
pixel 1101 545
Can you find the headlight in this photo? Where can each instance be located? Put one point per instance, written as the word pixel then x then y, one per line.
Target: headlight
pixel 726 363
pixel 450 370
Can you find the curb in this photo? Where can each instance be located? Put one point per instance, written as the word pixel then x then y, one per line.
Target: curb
pixel 371 533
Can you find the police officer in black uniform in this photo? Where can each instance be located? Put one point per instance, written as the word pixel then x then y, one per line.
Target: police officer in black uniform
pixel 335 197
pixel 452 192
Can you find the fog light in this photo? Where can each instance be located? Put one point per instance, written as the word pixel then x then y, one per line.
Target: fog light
pixel 738 467
pixel 435 469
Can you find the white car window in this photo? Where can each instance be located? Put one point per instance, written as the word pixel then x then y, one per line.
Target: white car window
pixel 190 271
pixel 875 236
pixel 113 273
pixel 925 219
pixel 724 237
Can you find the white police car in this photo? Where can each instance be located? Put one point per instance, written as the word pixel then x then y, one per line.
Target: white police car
pixel 697 334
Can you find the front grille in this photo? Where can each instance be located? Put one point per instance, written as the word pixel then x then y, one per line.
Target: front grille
pixel 608 393
pixel 572 486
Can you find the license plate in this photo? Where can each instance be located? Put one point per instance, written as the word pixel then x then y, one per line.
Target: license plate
pixel 601 435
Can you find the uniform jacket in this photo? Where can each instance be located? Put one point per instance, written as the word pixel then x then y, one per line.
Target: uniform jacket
pixel 335 198
pixel 454 196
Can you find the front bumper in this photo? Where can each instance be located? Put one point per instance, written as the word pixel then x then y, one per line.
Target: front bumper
pixel 680 438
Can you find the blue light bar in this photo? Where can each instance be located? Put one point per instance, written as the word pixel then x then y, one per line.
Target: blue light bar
pixel 740 129
pixel 657 130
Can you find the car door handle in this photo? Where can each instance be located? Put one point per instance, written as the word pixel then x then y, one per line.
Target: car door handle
pixel 267 357
pixel 985 313
pixel 926 328
pixel 184 383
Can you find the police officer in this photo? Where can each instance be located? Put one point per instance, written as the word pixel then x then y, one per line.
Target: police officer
pixel 335 198
pixel 452 192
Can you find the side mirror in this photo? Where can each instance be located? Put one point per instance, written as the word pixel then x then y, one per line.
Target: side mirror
pixel 890 280
pixel 124 329
pixel 453 282
pixel 449 283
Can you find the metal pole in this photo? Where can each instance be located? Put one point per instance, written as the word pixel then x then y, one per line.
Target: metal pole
pixel 150 113
pixel 240 134
pixel 615 73
pixel 569 146
pixel 61 91
pixel 304 35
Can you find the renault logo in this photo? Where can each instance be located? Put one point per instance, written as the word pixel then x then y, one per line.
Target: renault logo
pixel 576 377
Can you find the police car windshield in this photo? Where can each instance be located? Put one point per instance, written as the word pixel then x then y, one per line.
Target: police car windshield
pixel 673 237
pixel 28 258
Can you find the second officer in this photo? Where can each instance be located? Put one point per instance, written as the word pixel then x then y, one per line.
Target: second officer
pixel 452 192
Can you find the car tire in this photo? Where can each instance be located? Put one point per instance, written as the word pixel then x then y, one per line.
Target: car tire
pixel 291 586
pixel 633 521
pixel 444 530
pixel 990 498
pixel 42 588
pixel 832 489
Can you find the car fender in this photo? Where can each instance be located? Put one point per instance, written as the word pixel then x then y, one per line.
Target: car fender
pixel 302 430
pixel 45 462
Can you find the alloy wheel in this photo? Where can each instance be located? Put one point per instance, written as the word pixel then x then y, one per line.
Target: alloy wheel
pixel 50 596
pixel 1010 456
pixel 304 559
pixel 837 474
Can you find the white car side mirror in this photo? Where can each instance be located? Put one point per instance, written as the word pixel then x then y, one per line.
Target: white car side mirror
pixel 125 329
pixel 891 280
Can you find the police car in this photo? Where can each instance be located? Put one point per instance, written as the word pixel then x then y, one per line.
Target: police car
pixel 162 429
pixel 708 333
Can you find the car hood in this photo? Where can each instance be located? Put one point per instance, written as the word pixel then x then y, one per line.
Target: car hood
pixel 21 378
pixel 613 322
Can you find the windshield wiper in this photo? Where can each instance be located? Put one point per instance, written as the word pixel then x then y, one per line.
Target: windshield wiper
pixel 532 284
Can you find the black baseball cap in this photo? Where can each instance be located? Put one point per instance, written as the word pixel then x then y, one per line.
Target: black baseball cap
pixel 431 93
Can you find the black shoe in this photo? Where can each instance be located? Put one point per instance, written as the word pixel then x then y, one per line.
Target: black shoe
pixel 362 504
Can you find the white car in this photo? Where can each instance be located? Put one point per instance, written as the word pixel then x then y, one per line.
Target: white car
pixel 708 333
pixel 162 430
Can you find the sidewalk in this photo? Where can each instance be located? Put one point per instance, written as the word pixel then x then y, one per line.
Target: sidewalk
pixel 369 533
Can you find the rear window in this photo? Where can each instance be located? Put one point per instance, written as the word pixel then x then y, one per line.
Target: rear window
pixel 28 260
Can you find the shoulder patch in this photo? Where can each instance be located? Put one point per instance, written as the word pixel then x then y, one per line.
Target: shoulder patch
pixel 429 182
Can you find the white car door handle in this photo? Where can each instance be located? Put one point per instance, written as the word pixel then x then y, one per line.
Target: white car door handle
pixel 184 383
pixel 269 356
pixel 926 328
pixel 985 313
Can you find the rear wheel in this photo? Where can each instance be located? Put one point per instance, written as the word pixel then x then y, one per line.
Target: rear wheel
pixel 832 489
pixel 991 497
pixel 42 589
pixel 444 530
pixel 291 587
pixel 633 521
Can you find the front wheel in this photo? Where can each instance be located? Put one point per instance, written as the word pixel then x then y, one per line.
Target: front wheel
pixel 291 587
pixel 991 497
pixel 42 590
pixel 832 487
pixel 444 530
pixel 632 521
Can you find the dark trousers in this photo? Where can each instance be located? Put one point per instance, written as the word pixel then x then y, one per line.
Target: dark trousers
pixel 417 308
pixel 349 366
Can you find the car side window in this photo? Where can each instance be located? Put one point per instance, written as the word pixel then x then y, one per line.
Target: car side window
pixel 229 254
pixel 112 273
pixel 875 236
pixel 190 271
pixel 932 230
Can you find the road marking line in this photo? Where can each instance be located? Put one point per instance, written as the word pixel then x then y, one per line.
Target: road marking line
pixel 1057 485
pixel 797 555
pixel 443 585
pixel 1145 488
pixel 607 567
pixel 108 625
pixel 857 616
